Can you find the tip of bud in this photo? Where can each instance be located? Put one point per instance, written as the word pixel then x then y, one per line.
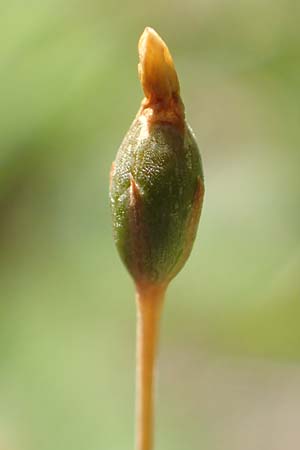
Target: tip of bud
pixel 156 68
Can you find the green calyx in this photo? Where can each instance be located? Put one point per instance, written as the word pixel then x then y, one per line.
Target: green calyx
pixel 156 197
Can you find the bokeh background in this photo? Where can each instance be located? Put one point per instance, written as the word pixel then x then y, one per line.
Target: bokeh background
pixel 229 373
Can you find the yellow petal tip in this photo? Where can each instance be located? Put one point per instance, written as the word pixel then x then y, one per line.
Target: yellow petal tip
pixel 156 68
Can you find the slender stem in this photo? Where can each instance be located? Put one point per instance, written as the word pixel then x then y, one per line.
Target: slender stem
pixel 149 305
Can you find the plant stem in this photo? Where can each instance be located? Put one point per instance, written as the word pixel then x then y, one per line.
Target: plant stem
pixel 149 305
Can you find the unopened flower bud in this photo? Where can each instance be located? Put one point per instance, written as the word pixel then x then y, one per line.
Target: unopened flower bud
pixel 156 180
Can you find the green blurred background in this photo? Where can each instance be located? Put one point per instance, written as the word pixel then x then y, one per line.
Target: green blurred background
pixel 229 373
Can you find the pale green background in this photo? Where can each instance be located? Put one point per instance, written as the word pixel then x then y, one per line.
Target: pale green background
pixel 229 373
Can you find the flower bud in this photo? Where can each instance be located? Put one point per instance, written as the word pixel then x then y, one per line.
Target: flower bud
pixel 157 185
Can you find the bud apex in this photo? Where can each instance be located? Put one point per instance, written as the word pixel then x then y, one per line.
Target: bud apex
pixel 156 68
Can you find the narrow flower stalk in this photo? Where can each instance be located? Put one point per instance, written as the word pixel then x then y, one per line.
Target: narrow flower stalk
pixel 149 305
pixel 156 194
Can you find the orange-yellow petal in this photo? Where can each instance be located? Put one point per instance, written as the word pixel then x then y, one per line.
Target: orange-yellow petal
pixel 156 68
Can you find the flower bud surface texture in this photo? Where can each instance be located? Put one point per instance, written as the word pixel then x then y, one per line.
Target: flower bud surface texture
pixel 156 188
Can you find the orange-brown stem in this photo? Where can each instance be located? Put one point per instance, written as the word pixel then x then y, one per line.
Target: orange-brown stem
pixel 149 305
